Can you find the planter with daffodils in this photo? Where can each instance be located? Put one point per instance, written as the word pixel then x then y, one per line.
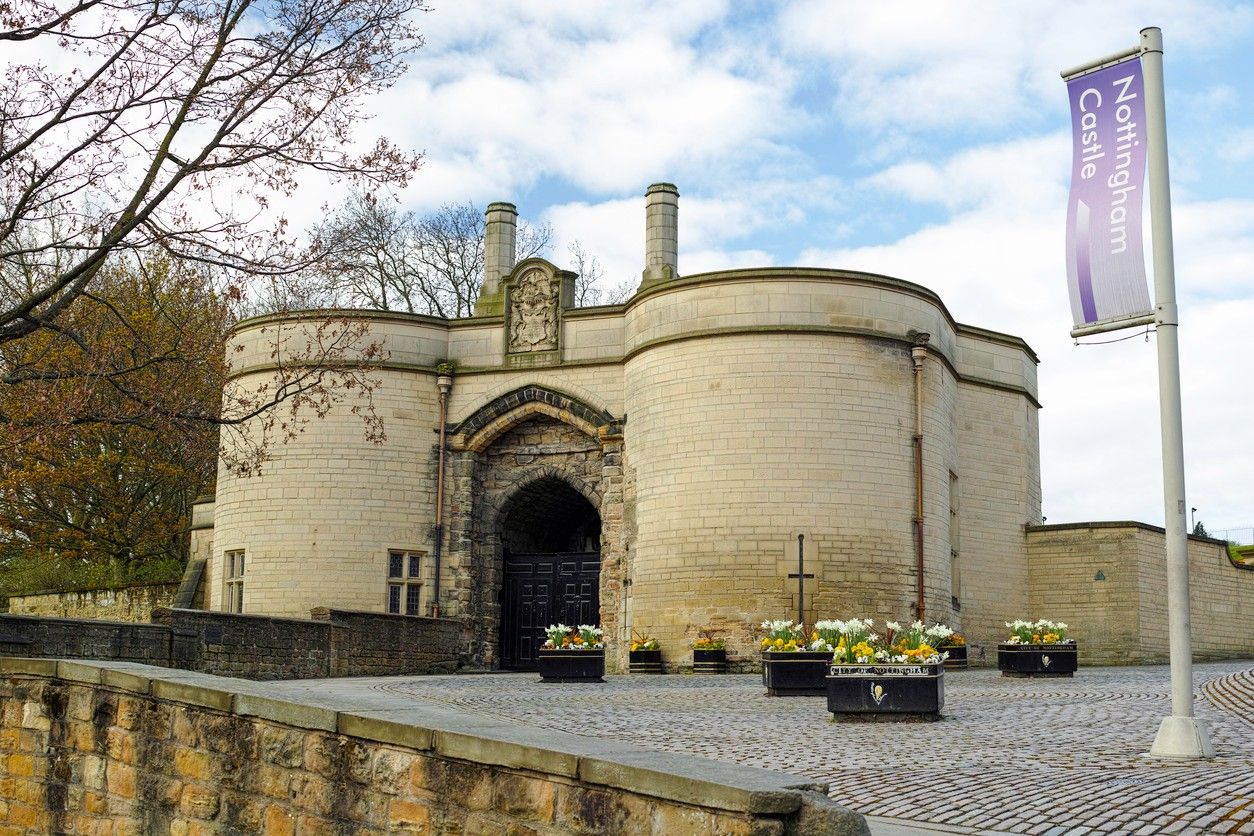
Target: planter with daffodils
pixel 572 654
pixel 1037 648
pixel 790 666
pixel 709 655
pixel 900 675
pixel 644 655
pixel 956 648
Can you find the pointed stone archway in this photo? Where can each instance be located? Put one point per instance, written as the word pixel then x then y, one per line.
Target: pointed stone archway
pixel 535 528
pixel 551 564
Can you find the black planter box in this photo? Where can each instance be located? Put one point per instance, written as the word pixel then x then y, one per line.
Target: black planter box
pixel 709 661
pixel 872 692
pixel 644 661
pixel 571 665
pixel 798 673
pixel 957 660
pixel 1038 659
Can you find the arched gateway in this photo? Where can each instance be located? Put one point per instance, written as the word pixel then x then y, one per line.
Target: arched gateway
pixel 538 485
pixel 550 537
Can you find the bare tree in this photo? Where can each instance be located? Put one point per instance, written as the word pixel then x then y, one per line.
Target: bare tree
pixel 589 289
pixel 377 256
pixel 176 124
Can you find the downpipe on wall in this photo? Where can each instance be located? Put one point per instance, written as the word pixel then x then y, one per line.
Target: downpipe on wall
pixel 917 353
pixel 445 384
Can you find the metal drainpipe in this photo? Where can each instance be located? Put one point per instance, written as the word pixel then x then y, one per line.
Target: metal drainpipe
pixel 445 384
pixel 917 353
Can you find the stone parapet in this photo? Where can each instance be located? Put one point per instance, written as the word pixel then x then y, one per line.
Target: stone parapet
pixel 130 748
pixel 128 603
pixel 334 643
pixel 1108 582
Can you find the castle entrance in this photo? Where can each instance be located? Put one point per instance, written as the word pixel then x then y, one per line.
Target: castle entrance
pixel 550 544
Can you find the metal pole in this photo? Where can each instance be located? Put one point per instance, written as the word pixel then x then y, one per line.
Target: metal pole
pixel 1180 735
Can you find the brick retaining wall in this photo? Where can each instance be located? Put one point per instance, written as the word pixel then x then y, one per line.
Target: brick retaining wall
pixel 90 748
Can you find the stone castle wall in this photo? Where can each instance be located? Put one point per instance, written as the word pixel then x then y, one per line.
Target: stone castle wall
pixel 98 749
pixel 1108 582
pixel 732 412
pixel 129 603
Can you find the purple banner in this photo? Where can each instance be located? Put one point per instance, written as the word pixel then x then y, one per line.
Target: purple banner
pixel 1105 259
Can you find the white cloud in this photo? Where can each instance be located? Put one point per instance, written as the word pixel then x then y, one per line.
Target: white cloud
pixel 998 263
pixel 977 64
pixel 503 96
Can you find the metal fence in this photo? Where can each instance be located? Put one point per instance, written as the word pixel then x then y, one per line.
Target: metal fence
pixel 1242 536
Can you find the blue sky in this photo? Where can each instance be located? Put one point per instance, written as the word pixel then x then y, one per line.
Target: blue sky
pixel 928 141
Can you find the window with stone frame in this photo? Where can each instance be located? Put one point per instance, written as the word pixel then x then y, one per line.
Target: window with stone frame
pixel 404 589
pixel 233 581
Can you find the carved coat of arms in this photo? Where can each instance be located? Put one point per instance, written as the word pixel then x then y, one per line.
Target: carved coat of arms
pixel 533 313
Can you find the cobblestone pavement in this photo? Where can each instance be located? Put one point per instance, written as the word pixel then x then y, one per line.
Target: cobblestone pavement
pixel 1052 756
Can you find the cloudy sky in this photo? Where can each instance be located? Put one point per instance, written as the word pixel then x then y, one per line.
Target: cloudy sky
pixel 927 141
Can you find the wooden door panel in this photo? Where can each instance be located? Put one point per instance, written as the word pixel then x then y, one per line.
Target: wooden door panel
pixel 539 590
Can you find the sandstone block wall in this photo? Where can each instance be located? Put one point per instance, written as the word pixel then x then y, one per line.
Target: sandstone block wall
pixel 130 603
pixel 317 524
pixel 754 405
pixel 1108 582
pixel 998 486
pixel 87 749
pixel 738 446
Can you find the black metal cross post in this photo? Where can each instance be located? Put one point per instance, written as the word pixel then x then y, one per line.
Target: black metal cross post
pixel 801 576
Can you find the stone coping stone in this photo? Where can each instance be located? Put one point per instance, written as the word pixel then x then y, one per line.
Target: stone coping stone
pixel 458 735
pixel 698 781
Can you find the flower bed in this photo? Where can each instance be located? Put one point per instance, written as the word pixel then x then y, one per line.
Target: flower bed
pixel 789 667
pixel 956 649
pixel 709 655
pixel 644 655
pixel 1038 648
pixel 898 676
pixel 572 654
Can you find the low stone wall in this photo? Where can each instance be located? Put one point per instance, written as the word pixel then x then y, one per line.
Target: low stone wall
pixel 336 643
pixel 129 603
pixel 27 635
pixel 249 646
pixel 134 749
pixel 376 644
pixel 1108 581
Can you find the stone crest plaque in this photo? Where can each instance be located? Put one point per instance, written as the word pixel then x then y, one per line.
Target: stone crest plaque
pixel 533 312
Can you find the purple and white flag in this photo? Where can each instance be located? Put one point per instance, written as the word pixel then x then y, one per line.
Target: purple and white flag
pixel 1105 259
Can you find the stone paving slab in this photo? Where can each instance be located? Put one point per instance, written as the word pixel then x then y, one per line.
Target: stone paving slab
pixel 1052 756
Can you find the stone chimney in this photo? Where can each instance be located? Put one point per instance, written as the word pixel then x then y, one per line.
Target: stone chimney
pixel 500 236
pixel 661 233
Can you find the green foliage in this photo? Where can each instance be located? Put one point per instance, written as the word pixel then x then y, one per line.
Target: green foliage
pixel 26 575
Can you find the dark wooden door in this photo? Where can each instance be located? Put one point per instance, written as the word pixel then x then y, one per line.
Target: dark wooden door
pixel 544 589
